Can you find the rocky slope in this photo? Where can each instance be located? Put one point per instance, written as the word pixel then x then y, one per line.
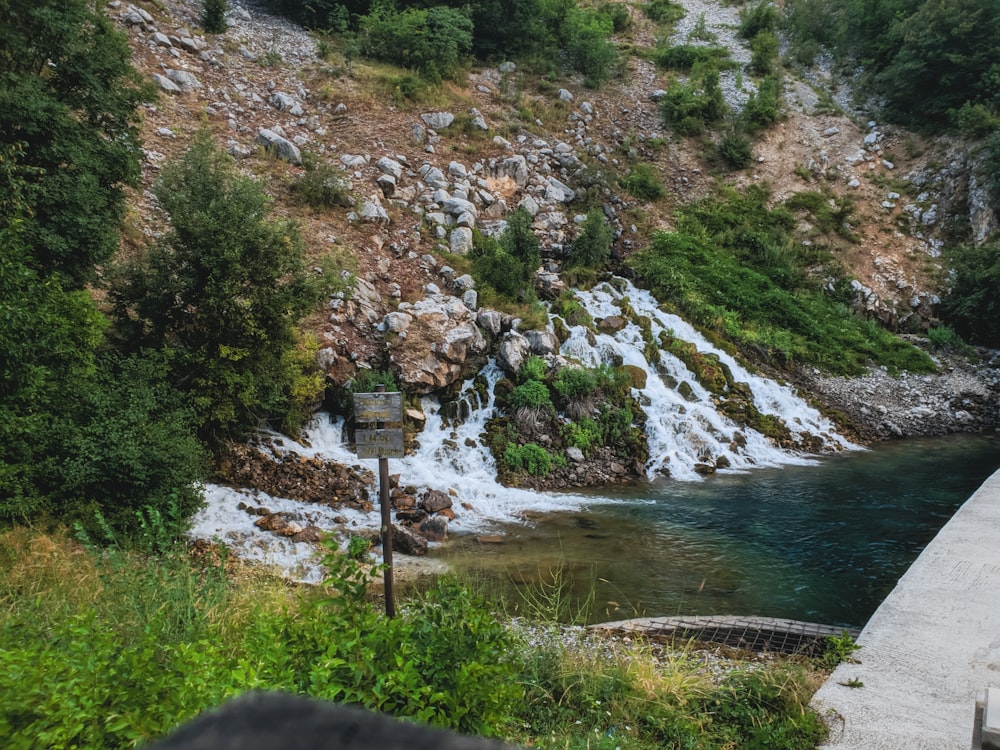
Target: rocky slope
pixel 422 175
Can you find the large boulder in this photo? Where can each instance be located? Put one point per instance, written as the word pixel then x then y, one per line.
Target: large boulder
pixel 279 146
pixel 405 541
pixel 514 349
pixel 442 344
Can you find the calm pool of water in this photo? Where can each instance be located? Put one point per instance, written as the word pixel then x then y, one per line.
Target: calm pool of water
pixel 823 543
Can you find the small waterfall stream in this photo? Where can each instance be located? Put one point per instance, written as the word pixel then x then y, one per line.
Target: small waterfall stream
pixel 684 429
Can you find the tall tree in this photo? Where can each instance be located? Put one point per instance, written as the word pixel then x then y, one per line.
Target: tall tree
pixel 222 294
pixel 69 93
pixel 79 431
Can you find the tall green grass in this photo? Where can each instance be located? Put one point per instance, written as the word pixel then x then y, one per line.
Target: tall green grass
pixel 107 648
pixel 735 268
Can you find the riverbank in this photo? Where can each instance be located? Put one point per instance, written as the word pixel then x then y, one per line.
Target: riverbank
pixel 963 396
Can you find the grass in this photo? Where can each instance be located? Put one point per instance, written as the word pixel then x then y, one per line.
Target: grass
pixel 735 267
pixel 110 648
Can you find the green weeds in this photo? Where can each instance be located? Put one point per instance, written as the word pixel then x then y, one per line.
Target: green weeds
pixel 734 268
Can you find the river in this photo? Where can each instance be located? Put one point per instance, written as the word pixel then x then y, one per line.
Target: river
pixel 823 543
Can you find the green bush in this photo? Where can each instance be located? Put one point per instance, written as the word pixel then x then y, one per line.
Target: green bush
pixel 763 108
pixel 663 11
pixel 975 120
pixel 68 95
pixel 758 19
pixel 972 305
pixel 617 13
pixel 575 382
pixel 764 52
pixel 509 264
pixel 213 16
pixel 221 295
pixel 591 248
pixel 691 107
pixel 685 56
pixel 530 458
pixel 993 166
pixel 736 149
pixel 586 44
pixel 644 183
pixel 585 434
pixel 323 186
pixel 533 368
pixel 435 41
pixel 530 394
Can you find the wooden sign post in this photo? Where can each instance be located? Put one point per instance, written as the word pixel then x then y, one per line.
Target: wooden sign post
pixel 379 440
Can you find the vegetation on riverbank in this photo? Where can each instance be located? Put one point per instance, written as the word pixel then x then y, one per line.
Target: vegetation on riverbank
pixel 109 648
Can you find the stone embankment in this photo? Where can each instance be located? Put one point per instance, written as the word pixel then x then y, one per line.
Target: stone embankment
pixel 964 396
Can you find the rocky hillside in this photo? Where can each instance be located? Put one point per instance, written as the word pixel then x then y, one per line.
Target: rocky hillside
pixel 417 175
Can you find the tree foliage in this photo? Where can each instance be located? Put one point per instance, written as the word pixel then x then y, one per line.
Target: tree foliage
pixel 434 41
pixel 927 58
pixel 221 294
pixel 592 247
pixel 80 432
pixel 972 305
pixel 68 92
pixel 213 16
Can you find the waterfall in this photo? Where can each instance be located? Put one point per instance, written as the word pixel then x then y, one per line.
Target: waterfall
pixel 684 428
pixel 685 431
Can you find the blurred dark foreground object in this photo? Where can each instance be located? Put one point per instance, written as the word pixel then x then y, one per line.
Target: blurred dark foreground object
pixel 276 721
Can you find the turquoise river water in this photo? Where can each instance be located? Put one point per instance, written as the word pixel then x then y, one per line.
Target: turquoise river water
pixel 824 542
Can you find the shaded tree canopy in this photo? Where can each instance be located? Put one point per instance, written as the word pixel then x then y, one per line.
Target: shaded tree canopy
pixel 222 293
pixel 68 93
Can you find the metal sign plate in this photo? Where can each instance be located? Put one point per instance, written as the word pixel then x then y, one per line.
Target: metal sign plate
pixel 379 443
pixel 378 407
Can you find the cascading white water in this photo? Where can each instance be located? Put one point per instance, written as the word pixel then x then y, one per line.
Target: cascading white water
pixel 450 457
pixel 683 432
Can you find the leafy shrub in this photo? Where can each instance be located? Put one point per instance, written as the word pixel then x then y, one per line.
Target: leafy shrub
pixel 323 186
pixel 975 120
pixel 530 458
pixel 972 305
pixel 617 13
pixel 586 44
pixel 533 368
pixel 758 19
pixel 664 11
pixel 69 96
pixel 575 382
pixel 434 41
pixel 685 56
pixel 508 265
pixel 644 183
pixel 592 246
pixel 584 434
pixel 993 166
pixel 520 241
pixel 736 149
pixel 764 51
pixel 221 294
pixel 691 107
pixel 213 16
pixel 763 108
pixel 532 393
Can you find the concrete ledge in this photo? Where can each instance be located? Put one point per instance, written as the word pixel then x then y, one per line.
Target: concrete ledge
pixel 931 647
